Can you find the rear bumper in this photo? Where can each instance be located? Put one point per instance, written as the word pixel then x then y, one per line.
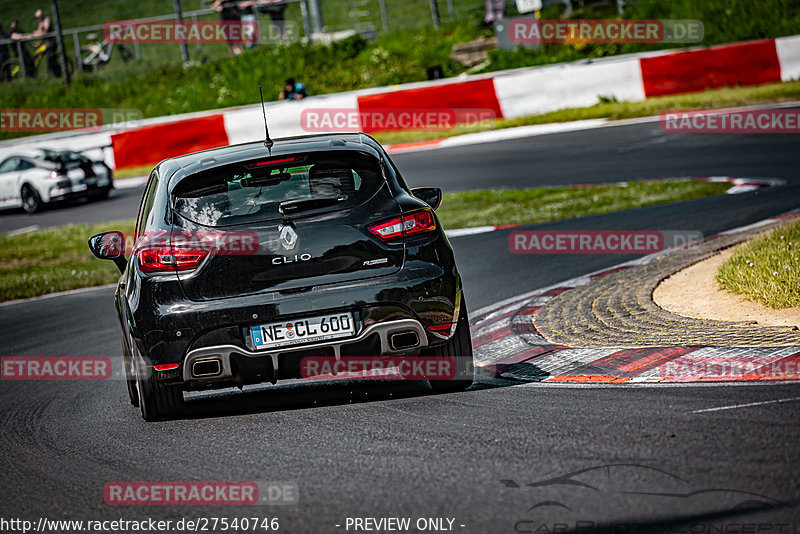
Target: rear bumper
pixel 209 365
pixel 67 189
pixel 176 329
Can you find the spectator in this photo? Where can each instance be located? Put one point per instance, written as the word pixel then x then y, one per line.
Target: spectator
pixel 249 22
pixel 15 32
pixel 495 10
pixel 51 45
pixel 231 15
pixel 5 55
pixel 293 90
pixel 275 9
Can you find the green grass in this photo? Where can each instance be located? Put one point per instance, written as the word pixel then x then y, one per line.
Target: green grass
pixel 51 260
pixel 133 172
pixel 712 99
pixel 766 269
pixel 489 207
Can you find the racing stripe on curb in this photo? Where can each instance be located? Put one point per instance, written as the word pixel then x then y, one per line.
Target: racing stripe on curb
pixel 622 365
pixel 706 365
pixel 507 344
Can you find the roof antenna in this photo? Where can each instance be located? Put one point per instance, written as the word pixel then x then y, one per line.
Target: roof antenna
pixel 267 142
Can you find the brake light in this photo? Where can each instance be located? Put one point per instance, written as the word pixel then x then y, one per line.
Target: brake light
pixel 443 328
pixel 272 162
pixel 408 224
pixel 153 260
pixel 419 221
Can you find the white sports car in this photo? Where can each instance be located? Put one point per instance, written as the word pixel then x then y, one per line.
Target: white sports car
pixel 36 177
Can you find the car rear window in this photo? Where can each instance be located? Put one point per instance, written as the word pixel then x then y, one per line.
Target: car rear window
pixel 66 158
pixel 271 188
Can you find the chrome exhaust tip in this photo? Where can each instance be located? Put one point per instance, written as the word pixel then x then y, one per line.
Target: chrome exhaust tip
pixel 404 340
pixel 207 367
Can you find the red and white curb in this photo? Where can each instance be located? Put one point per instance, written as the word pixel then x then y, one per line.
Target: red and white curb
pixel 506 342
pixel 507 94
pixel 130 183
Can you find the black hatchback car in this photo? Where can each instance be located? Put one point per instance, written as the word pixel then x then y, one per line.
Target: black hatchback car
pixel 248 260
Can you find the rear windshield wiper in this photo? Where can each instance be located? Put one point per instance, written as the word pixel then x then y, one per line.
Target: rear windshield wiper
pixel 293 206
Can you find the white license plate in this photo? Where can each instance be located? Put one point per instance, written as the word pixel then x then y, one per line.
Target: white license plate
pixel 301 331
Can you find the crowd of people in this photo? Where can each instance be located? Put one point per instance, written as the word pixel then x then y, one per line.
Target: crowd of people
pixel 244 11
pixel 17 55
pixel 47 46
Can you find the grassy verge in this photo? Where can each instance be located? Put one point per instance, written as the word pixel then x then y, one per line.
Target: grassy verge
pixel 53 260
pixel 766 269
pixel 712 99
pixel 58 259
pixel 133 172
pixel 488 207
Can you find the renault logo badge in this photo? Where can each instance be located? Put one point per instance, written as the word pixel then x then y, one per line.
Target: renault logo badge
pixel 288 237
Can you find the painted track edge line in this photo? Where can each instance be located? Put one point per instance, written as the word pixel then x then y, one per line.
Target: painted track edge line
pixel 57 294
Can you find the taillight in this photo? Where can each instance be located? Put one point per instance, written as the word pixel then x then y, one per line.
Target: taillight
pixel 407 224
pixel 166 366
pixel 389 229
pixel 419 221
pixel 153 260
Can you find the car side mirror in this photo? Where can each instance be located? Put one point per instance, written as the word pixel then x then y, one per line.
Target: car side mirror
pixel 109 246
pixel 431 195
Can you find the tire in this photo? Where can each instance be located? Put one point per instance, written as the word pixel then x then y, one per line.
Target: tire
pixel 156 400
pixel 460 348
pixel 101 195
pixel 10 70
pixel 130 375
pixel 31 201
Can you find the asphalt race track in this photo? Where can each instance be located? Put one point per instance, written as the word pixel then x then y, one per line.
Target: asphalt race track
pixel 644 459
